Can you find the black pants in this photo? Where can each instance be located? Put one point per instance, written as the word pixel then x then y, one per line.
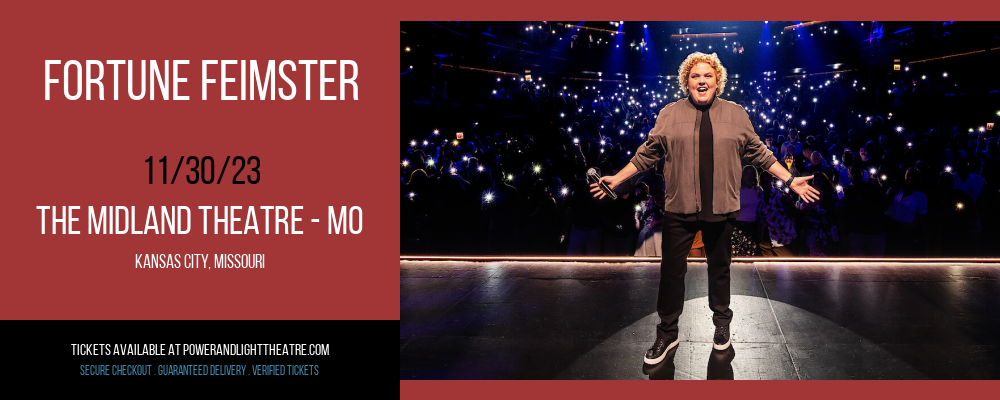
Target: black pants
pixel 677 239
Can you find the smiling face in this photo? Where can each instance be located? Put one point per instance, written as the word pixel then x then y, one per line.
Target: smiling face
pixel 816 159
pixel 702 83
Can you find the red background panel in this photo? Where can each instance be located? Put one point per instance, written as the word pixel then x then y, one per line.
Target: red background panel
pixel 91 153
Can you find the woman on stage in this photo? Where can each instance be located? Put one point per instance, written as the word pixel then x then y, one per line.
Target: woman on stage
pixel 703 140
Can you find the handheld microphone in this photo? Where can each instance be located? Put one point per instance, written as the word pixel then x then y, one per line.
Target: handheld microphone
pixel 592 177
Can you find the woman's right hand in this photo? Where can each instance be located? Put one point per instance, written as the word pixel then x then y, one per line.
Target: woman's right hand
pixel 595 188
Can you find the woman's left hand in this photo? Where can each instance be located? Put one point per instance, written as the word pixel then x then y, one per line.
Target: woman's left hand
pixel 801 187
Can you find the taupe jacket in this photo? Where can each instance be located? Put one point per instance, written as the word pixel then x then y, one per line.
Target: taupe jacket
pixel 675 138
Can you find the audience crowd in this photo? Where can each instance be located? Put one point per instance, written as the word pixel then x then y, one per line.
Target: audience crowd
pixel 896 179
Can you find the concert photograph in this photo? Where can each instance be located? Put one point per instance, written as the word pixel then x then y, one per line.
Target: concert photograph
pixel 709 200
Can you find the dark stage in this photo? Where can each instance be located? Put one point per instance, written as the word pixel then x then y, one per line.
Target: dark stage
pixel 816 319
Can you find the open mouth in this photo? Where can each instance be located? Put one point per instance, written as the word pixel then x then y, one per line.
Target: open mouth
pixel 702 90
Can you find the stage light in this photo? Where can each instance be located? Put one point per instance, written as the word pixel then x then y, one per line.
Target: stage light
pixel 510 177
pixel 425 143
pixel 569 130
pixel 959 206
pixel 923 77
pixel 412 194
pixel 494 92
pixel 883 177
pixel 537 168
pixel 465 158
pixel 803 122
pixel 454 170
pixel 947 168
pixel 831 126
pixel 480 168
pixel 488 197
pixel 644 26
pixel 454 142
pixel 906 69
pixel 779 183
pixel 430 162
pixel 407 49
pixel 945 74
pixel 413 143
pixel 815 100
pixel 602 142
pixel 575 140
pixel 562 115
pixel 564 191
pixel 899 129
pixel 982 129
pixel 840 188
pixel 406 163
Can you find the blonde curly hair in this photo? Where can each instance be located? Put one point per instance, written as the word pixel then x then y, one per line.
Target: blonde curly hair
pixel 698 57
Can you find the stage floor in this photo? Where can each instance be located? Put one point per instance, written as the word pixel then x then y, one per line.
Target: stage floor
pixel 792 320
